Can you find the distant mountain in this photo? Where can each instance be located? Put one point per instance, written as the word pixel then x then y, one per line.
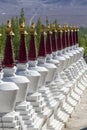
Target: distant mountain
pixel 67 2
pixel 62 2
pixel 9 1
pixel 65 11
pixel 58 2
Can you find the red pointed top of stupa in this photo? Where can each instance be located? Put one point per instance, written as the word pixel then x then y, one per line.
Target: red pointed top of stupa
pixel 59 40
pixel 23 57
pixel 32 47
pixel 8 54
pixel 0 65
pixel 42 46
pixel 71 36
pixel 48 41
pixel 67 35
pixel 53 38
pixel 64 37
pixel 76 34
pixel 0 59
pixel 67 39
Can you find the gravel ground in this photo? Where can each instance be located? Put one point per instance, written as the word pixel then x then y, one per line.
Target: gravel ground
pixel 78 120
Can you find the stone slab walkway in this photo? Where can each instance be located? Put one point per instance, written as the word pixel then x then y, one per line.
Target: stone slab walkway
pixel 78 120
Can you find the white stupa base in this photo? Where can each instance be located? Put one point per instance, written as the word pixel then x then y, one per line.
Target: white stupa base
pixel 62 116
pixel 64 75
pixel 75 96
pixel 40 105
pixel 71 101
pixel 29 117
pixel 83 82
pixel 54 124
pixel 51 102
pixel 84 77
pixel 57 93
pixel 80 86
pixel 11 121
pixel 78 91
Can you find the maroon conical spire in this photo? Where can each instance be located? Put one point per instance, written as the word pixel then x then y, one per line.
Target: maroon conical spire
pixel 74 37
pixel 53 39
pixel 48 41
pixel 76 34
pixel 59 40
pixel 0 59
pixel 0 65
pixel 1 74
pixel 8 54
pixel 67 35
pixel 67 39
pixel 64 38
pixel 32 47
pixel 71 36
pixel 23 57
pixel 42 46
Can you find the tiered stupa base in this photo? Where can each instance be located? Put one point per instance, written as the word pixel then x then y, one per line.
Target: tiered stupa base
pixel 31 120
pixel 50 111
pixel 11 121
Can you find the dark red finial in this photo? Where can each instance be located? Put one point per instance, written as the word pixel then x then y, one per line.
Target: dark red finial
pixel 22 58
pixel 74 37
pixel 67 35
pixel 71 36
pixel 48 41
pixel 53 39
pixel 8 54
pixel 0 65
pixel 67 39
pixel 32 47
pixel 64 38
pixel 76 34
pixel 59 40
pixel 42 46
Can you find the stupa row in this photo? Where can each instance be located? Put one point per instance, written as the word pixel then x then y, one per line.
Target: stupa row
pixel 41 91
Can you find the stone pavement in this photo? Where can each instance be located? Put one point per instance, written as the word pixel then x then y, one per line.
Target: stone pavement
pixel 78 120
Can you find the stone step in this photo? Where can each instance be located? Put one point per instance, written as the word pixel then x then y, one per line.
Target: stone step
pixel 62 116
pixel 35 104
pixel 36 125
pixel 67 108
pixel 81 86
pixel 78 91
pixel 47 112
pixel 71 101
pixel 51 103
pixel 9 117
pixel 83 82
pixel 60 97
pixel 9 124
pixel 56 125
pixel 23 106
pixel 65 90
pixel 34 97
pixel 75 96
pixel 16 128
pixel 38 109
